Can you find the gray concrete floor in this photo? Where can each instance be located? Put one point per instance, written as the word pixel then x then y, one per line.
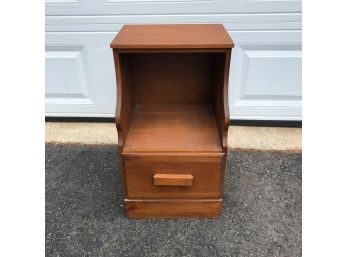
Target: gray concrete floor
pixel 239 137
pixel 84 210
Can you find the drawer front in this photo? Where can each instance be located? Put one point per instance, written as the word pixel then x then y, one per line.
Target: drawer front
pixel 150 177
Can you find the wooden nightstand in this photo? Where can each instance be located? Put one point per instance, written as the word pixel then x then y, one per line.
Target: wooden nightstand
pixel 172 118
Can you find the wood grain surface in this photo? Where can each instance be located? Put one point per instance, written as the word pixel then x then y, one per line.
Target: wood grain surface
pixel 173 208
pixel 188 36
pixel 172 78
pixel 164 179
pixel 208 173
pixel 179 129
pixel 172 118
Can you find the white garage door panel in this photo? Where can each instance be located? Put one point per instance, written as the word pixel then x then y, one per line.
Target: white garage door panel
pixel 232 22
pixel 271 73
pixel 265 76
pixel 125 7
pixel 265 79
pixel 66 78
pixel 79 75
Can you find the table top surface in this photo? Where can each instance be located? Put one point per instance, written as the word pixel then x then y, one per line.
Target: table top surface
pixel 172 36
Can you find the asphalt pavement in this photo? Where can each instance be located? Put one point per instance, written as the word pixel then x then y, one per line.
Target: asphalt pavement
pixel 84 210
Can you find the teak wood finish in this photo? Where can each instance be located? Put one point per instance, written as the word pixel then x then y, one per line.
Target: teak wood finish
pixel 172 180
pixel 172 118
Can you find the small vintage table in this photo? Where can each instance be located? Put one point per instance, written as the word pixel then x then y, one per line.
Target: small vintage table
pixel 172 118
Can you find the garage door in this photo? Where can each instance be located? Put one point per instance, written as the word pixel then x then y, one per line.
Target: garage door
pixel 265 76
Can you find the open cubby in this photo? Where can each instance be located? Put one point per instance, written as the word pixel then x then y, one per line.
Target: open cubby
pixel 172 98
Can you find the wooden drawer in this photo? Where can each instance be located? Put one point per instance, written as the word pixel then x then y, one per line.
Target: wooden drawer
pixel 189 176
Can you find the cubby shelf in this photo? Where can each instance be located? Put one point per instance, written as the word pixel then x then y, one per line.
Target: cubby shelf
pixel 175 128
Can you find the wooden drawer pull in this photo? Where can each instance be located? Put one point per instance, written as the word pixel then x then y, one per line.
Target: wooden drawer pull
pixel 172 180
